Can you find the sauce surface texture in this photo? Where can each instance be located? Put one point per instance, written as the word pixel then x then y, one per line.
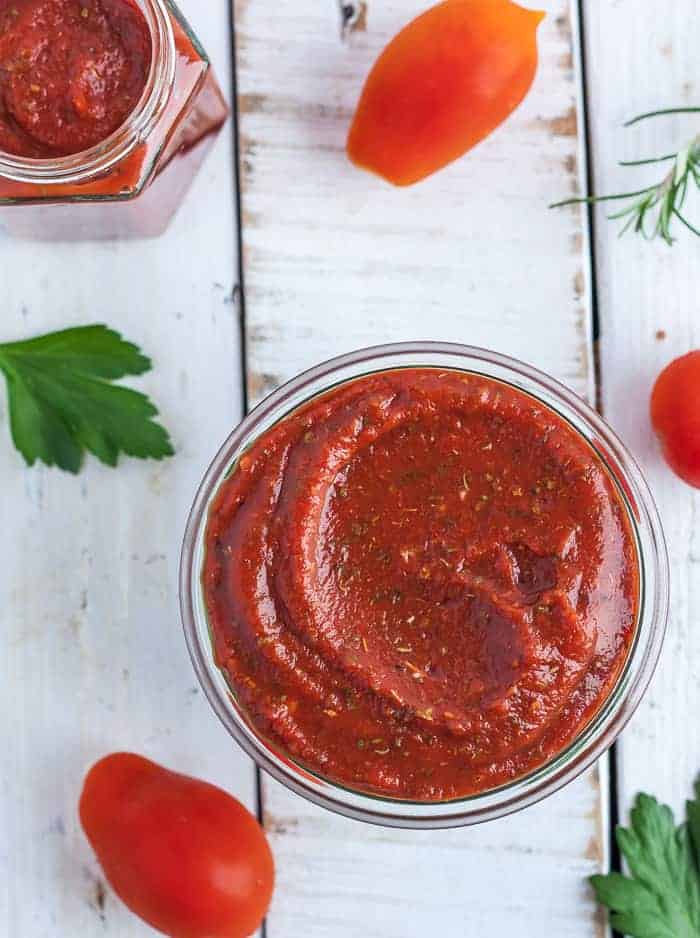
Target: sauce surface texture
pixel 71 72
pixel 421 584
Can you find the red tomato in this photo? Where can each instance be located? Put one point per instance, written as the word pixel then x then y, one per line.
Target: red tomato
pixel 675 415
pixel 445 82
pixel 183 855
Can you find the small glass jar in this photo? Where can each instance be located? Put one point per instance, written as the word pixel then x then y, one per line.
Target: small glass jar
pixel 593 739
pixel 119 188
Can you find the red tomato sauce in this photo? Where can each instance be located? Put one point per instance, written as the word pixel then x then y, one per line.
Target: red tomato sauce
pixel 421 584
pixel 71 72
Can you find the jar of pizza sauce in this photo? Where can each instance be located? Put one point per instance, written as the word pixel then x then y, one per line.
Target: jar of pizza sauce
pixel 424 585
pixel 107 109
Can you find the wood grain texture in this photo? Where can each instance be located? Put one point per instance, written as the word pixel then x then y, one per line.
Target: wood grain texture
pixel 92 657
pixel 524 875
pixel 648 310
pixel 334 260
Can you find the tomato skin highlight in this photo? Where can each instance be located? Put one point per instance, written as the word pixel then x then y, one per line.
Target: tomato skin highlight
pixel 445 82
pixel 183 855
pixel 675 416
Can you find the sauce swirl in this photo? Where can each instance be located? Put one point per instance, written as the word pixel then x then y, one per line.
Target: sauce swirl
pixel 421 584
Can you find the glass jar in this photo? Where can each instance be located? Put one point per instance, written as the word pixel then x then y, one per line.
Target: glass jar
pixel 119 188
pixel 593 739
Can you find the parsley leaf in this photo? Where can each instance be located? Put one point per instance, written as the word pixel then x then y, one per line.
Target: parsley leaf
pixel 661 897
pixel 62 402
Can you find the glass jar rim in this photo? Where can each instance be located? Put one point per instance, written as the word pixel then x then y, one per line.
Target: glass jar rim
pixel 594 738
pixel 86 165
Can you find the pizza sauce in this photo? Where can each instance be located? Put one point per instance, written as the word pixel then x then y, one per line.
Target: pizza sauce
pixel 421 584
pixel 71 73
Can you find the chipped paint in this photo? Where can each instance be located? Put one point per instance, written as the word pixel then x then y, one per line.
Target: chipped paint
pixel 563 125
pixel 566 125
pixel 563 25
pixel 251 103
pixel 593 850
pixel 100 896
pixel 566 61
pixel 250 219
pixel 260 384
pixel 280 825
pixel 97 899
pixel 353 18
pixel 601 922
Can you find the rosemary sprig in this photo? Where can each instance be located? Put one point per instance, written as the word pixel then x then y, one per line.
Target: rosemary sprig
pixel 653 210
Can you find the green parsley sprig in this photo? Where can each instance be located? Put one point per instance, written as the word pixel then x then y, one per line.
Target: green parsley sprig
pixel 661 896
pixel 653 210
pixel 62 401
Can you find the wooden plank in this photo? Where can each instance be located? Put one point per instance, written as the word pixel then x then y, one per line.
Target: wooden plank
pixel 334 260
pixel 648 309
pixel 335 256
pixel 524 875
pixel 92 657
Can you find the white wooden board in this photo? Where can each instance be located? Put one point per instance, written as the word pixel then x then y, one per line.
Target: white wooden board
pixel 334 260
pixel 649 315
pixel 92 657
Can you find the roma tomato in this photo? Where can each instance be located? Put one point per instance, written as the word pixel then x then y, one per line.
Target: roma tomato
pixel 443 84
pixel 183 855
pixel 675 416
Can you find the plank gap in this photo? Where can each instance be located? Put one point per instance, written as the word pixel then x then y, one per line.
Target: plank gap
pixel 588 177
pixel 239 289
pixel 239 305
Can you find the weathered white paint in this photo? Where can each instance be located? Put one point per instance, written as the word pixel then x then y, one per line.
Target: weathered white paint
pixel 649 315
pixel 524 875
pixel 92 657
pixel 334 260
